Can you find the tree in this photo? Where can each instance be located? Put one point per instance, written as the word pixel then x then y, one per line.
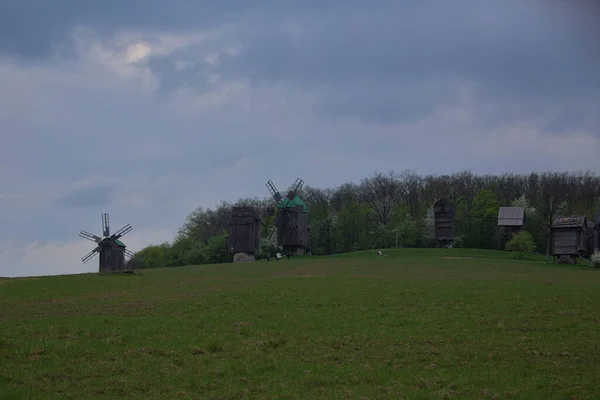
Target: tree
pixel 388 209
pixel 429 228
pixel 484 220
pixel 521 243
pixel 216 250
pixel 381 193
pixel 402 227
pixel 152 256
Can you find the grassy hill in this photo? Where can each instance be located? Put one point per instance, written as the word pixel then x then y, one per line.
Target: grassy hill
pixel 418 323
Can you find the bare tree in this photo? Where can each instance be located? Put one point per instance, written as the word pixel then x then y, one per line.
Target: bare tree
pixel 412 188
pixel 381 192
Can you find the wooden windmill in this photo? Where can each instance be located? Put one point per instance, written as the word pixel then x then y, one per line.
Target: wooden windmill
pixel 112 251
pixel 443 214
pixel 291 223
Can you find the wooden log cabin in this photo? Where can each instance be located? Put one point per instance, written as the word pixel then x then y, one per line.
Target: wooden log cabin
pixel 570 238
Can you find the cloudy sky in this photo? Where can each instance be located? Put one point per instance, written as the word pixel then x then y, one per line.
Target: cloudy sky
pixel 147 109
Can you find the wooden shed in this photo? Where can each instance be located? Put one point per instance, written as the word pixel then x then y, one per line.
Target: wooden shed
pixel 443 215
pixel 244 233
pixel 570 238
pixel 511 221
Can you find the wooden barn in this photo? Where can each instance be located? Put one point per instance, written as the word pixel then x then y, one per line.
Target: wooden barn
pixel 244 234
pixel 511 220
pixel 443 214
pixel 570 238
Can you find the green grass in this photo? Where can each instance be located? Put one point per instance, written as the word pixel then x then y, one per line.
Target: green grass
pixel 409 325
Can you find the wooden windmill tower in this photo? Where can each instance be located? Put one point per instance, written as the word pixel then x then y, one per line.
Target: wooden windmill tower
pixel 443 214
pixel 244 234
pixel 292 219
pixel 596 244
pixel 112 251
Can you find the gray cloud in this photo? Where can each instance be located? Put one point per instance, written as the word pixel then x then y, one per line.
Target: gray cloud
pixel 514 53
pixel 93 195
pixel 33 30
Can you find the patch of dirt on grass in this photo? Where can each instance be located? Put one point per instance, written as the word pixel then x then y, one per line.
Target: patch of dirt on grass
pixel 299 273
pixel 308 275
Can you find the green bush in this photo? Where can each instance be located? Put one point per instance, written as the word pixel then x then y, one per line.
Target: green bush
pixel 216 251
pixel 596 259
pixel 521 243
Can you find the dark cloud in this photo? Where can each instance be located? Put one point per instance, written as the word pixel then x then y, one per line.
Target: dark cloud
pixel 387 63
pixel 35 29
pixel 94 195
pixel 515 50
pixel 510 51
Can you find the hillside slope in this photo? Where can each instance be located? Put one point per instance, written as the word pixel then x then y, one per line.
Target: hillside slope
pixel 417 323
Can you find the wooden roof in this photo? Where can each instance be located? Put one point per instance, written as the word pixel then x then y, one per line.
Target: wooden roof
pixel 511 216
pixel 576 221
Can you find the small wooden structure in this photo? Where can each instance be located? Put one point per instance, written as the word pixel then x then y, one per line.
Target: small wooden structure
pixel 292 219
pixel 596 234
pixel 511 221
pixel 570 238
pixel 111 250
pixel 244 234
pixel 591 239
pixel 443 215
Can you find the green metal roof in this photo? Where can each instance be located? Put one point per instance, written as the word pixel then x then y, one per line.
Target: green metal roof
pixel 296 201
pixel 120 243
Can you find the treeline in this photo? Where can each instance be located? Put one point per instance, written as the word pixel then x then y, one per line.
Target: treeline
pixel 391 210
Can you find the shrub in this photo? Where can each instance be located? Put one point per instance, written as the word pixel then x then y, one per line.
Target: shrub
pixel 521 243
pixel 596 259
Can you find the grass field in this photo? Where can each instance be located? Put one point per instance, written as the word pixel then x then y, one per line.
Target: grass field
pixel 417 324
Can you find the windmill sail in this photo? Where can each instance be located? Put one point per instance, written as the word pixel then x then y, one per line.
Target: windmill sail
pixel 112 252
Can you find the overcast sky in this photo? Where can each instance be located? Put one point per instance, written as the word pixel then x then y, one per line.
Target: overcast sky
pixel 147 109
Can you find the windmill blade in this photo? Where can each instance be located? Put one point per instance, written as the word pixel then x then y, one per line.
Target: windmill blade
pixel 295 187
pixel 121 232
pixel 89 255
pixel 129 253
pixel 90 236
pixel 278 220
pixel 105 227
pixel 292 193
pixel 291 222
pixel 274 192
pixel 272 233
pixel 293 225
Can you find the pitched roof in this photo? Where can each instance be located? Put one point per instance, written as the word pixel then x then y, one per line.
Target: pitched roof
pixel 296 201
pixel 511 216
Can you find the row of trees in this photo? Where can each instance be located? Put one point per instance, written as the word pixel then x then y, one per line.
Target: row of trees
pixel 392 210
